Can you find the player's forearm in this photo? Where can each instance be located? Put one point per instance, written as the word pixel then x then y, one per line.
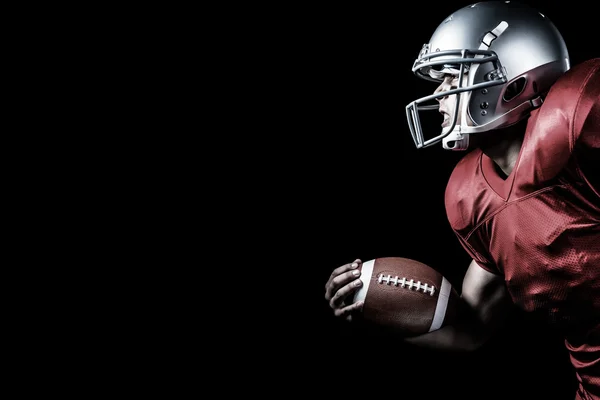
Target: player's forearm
pixel 467 333
pixel 483 306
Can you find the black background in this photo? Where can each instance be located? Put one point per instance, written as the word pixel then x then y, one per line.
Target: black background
pixel 361 189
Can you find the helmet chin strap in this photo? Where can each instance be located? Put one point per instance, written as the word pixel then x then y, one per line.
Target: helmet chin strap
pixel 456 140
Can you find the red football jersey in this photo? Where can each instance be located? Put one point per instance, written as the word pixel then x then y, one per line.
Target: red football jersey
pixel 540 227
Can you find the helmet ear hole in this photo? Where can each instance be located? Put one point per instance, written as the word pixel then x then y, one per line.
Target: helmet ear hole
pixel 514 89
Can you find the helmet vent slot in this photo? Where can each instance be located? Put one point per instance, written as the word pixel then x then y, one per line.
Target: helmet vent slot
pixel 514 89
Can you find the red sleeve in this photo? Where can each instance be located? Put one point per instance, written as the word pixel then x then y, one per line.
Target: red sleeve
pixel 565 131
pixel 586 131
pixel 586 118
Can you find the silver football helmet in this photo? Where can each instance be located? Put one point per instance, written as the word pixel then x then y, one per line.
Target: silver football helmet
pixel 506 55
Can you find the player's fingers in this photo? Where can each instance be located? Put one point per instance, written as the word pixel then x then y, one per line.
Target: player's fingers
pixel 344 279
pixel 339 296
pixel 340 270
pixel 346 312
pixel 335 282
pixel 340 282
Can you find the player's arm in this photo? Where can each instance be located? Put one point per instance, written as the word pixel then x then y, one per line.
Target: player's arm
pixel 483 307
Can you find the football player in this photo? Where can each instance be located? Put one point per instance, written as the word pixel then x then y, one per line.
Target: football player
pixel 524 201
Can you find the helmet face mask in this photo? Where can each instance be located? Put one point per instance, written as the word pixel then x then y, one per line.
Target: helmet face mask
pixel 506 56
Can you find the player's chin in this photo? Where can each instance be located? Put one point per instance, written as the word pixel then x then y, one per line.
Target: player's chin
pixel 446 129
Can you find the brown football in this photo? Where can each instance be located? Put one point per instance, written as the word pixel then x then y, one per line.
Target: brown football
pixel 406 295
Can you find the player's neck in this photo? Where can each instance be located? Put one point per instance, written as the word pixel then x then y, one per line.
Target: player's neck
pixel 505 154
pixel 505 148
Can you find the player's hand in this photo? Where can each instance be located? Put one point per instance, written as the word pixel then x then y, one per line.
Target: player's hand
pixel 341 286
